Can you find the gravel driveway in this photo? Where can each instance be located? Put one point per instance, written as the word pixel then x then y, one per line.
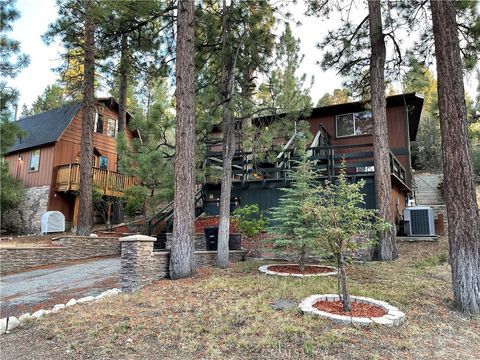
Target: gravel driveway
pixel 42 288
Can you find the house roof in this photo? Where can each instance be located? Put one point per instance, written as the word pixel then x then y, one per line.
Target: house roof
pixel 44 128
pixel 47 127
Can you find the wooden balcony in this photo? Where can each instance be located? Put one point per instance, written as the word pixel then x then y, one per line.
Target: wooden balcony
pixel 111 183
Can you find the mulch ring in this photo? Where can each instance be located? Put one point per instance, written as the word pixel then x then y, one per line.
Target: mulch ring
pixel 295 269
pixel 358 309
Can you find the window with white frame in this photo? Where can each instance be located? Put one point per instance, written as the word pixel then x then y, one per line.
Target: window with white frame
pixel 360 123
pixel 34 164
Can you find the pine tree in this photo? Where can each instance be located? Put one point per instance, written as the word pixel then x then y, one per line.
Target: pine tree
pixel 76 27
pixel 12 61
pixel 342 225
pixel 459 184
pixel 52 98
pixel 182 256
pixel 387 248
pixel 293 225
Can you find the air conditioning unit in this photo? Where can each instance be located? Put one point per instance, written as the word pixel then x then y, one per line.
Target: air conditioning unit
pixel 419 221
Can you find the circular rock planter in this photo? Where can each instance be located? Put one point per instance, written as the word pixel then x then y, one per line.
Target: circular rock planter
pixel 293 270
pixel 365 311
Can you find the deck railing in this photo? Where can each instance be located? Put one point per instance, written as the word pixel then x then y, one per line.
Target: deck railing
pixel 355 159
pixel 110 183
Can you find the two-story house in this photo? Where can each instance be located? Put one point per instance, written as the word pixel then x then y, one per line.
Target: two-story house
pixel 46 160
pixel 339 132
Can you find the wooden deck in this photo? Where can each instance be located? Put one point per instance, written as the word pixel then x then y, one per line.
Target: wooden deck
pixel 111 183
pixel 355 159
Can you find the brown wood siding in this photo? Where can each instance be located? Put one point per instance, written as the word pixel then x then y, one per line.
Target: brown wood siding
pixel 68 147
pixel 19 169
pixel 398 195
pixel 397 132
pixel 63 202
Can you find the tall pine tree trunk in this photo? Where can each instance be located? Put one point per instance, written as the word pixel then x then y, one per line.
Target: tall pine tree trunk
pixel 387 248
pixel 182 255
pixel 122 117
pixel 228 151
pixel 85 216
pixel 228 145
pixel 459 185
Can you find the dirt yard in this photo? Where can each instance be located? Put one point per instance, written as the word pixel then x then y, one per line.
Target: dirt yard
pixel 228 315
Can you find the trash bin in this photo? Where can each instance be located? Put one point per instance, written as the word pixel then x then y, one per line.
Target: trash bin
pixel 211 237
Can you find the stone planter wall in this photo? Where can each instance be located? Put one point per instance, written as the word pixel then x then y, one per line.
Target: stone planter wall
pixel 142 266
pixel 63 249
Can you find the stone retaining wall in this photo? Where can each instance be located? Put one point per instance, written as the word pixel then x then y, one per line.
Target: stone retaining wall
pixel 142 266
pixel 63 249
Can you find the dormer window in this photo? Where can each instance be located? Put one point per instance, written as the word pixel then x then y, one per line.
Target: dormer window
pixel 354 124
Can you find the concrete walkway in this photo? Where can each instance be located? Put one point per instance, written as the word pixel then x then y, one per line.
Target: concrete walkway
pixel 42 288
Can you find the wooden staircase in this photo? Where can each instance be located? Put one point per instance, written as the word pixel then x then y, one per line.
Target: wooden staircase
pixel 427 193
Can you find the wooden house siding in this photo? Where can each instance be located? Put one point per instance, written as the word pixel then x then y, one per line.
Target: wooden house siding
pixel 20 169
pixel 68 146
pixel 397 133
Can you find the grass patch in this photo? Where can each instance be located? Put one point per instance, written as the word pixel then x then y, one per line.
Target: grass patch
pixel 226 314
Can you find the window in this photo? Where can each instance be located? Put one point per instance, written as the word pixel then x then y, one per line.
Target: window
pixel 103 163
pixel 360 123
pixel 34 160
pixel 112 128
pixel 98 123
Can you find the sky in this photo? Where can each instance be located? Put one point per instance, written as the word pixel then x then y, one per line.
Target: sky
pixel 36 15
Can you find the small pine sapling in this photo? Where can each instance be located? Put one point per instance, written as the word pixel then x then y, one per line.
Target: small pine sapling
pixel 343 225
pixel 293 225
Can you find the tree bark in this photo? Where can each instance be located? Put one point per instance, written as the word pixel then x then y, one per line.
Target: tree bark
pixel 123 86
pixel 459 184
pixel 228 142
pixel 122 117
pixel 85 216
pixel 387 248
pixel 345 296
pixel 182 255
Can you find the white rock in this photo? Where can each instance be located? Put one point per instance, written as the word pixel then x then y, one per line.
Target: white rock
pixel 25 317
pixel 58 307
pixel 13 323
pixel 110 292
pixel 361 321
pixel 3 325
pixel 85 299
pixel 38 314
pixel 93 235
pixel 383 321
pixel 71 302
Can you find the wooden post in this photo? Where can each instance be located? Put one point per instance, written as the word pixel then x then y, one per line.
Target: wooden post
pixel 75 211
pixel 106 182
pixel 69 176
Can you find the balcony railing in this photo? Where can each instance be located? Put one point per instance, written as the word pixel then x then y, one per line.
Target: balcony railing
pixel 110 183
pixel 355 159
